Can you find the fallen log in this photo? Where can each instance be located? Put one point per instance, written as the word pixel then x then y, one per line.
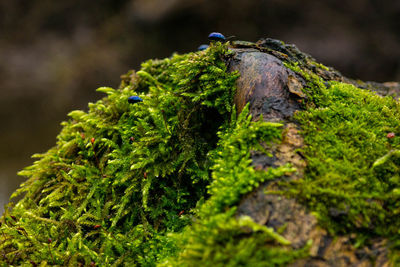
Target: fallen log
pixel 275 93
pixel 242 154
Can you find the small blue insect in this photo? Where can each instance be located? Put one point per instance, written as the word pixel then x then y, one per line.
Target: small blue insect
pixel 202 47
pixel 216 36
pixel 134 99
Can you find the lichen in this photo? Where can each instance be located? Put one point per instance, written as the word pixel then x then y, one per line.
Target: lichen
pixel 352 178
pixel 155 182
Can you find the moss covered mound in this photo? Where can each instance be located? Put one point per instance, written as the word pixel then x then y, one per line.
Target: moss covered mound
pixel 123 177
pixel 159 182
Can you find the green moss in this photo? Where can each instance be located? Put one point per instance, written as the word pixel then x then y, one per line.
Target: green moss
pixel 352 179
pixel 145 183
pixel 158 182
pixel 217 238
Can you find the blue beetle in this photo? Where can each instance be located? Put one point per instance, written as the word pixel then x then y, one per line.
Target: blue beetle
pixel 216 36
pixel 202 47
pixel 134 99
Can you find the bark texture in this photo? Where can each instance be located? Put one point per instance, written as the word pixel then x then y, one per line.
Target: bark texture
pixel 274 92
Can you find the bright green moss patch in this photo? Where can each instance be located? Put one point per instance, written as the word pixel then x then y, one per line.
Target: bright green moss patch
pixel 216 237
pixel 352 179
pixel 121 173
pixel 152 182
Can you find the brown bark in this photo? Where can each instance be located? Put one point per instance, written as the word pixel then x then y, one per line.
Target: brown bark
pixel 274 92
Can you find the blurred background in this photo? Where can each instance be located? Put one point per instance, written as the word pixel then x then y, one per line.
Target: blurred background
pixel 54 54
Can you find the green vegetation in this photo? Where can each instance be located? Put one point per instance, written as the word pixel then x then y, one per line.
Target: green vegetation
pixel 149 183
pixel 158 182
pixel 352 179
pixel 216 237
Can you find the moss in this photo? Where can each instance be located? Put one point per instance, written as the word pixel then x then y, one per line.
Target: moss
pixel 158 182
pixel 145 183
pixel 217 237
pixel 352 180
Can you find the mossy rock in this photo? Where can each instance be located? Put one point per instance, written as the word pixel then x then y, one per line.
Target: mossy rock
pixel 245 154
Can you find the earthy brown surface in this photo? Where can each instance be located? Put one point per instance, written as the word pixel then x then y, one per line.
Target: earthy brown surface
pixel 259 71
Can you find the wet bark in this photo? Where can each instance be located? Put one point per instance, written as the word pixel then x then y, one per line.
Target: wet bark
pixel 274 92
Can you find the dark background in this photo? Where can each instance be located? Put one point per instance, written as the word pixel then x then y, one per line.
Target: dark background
pixel 54 54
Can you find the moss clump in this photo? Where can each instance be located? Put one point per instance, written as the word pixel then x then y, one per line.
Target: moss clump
pixel 216 237
pixel 143 184
pixel 352 179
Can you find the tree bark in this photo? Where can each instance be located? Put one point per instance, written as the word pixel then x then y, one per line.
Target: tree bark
pixel 274 91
